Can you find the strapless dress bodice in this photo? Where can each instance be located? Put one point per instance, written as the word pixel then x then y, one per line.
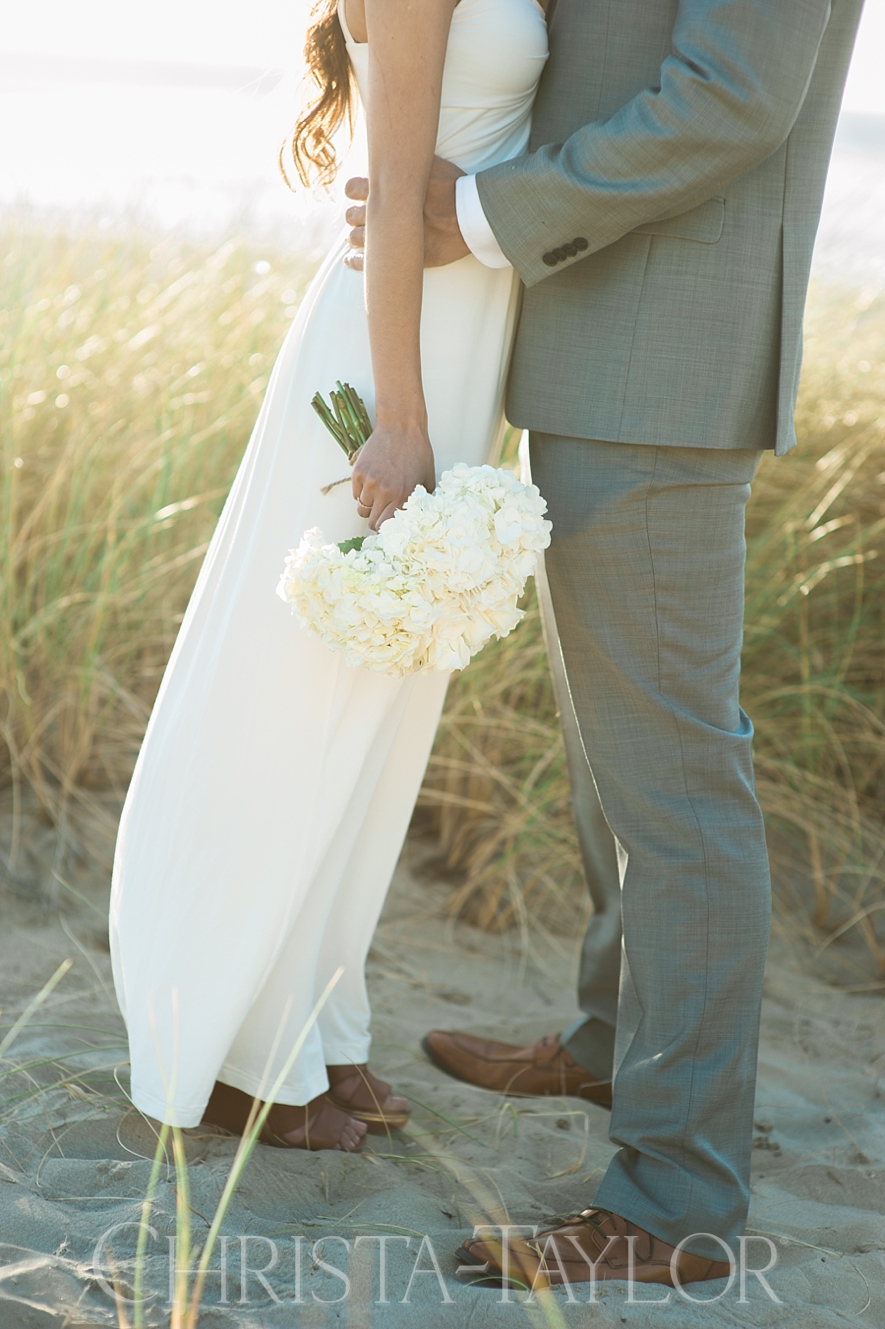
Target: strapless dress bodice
pixel 494 58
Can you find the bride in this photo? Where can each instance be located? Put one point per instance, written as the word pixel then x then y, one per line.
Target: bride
pixel 275 784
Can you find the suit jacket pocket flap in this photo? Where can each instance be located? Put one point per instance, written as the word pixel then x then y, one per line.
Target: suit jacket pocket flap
pixel 703 223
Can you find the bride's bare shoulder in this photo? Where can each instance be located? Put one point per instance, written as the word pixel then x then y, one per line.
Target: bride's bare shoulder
pixel 355 14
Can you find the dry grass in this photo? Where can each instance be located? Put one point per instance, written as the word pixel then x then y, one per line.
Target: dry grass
pixel 131 370
pixel 814 660
pixel 496 794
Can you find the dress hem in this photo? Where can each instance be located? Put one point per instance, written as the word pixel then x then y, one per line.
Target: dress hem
pixel 168 1113
pixel 289 1095
pixel 347 1056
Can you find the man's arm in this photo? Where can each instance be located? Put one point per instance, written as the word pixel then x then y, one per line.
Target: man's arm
pixel 443 241
pixel 729 95
pixel 474 225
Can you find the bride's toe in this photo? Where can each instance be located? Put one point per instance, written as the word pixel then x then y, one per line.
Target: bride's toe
pixel 353 1135
pixel 320 1124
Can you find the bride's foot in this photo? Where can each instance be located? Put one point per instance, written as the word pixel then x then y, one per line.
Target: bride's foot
pixel 320 1124
pixel 356 1090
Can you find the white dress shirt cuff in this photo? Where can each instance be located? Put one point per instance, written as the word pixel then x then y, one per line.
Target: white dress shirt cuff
pixel 473 224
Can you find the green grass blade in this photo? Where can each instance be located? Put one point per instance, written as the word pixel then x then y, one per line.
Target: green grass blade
pixel 34 1005
pixel 247 1144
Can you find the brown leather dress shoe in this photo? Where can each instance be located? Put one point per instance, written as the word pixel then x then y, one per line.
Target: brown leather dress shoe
pixel 591 1246
pixel 544 1068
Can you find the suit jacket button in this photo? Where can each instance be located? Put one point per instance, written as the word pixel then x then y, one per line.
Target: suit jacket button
pixel 559 254
pixel 550 259
pixel 580 242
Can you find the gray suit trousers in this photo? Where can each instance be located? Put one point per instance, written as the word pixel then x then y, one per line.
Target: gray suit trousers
pixel 645 576
pixel 591 1037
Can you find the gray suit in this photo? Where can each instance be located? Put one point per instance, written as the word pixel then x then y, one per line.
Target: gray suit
pixel 687 146
pixel 663 224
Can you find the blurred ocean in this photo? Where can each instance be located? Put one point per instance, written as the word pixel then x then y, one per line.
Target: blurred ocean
pixel 194 147
pixel 169 145
pixel 851 239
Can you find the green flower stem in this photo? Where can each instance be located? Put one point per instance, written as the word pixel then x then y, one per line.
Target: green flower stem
pixel 347 421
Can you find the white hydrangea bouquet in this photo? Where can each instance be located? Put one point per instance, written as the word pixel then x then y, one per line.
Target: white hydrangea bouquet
pixel 439 579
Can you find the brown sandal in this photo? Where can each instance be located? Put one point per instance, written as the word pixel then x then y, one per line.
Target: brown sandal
pixel 355 1090
pixel 319 1124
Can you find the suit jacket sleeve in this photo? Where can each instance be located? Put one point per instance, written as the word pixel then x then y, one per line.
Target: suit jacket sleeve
pixel 729 94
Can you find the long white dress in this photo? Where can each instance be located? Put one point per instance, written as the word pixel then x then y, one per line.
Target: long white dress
pixel 275 785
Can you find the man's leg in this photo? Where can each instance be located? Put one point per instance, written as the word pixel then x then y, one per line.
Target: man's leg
pixel 591 1038
pixel 646 579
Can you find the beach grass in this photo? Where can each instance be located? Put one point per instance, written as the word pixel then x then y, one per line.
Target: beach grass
pixel 132 367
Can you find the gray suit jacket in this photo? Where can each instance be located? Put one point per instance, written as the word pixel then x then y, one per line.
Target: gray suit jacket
pixel 664 218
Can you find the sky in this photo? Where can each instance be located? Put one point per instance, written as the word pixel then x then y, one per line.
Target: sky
pixel 233 32
pixel 269 32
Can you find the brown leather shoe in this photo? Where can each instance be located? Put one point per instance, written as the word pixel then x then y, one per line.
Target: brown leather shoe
pixel 591 1246
pixel 544 1068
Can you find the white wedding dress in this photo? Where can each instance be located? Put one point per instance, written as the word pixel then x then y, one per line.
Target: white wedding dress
pixel 275 785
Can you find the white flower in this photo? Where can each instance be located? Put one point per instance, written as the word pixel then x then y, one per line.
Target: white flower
pixel 441 577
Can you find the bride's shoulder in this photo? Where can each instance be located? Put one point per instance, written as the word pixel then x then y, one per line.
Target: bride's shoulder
pixel 352 15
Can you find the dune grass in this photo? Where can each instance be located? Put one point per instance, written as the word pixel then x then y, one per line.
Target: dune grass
pixel 131 371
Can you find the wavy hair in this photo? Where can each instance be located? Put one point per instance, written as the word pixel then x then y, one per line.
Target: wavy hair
pixel 328 67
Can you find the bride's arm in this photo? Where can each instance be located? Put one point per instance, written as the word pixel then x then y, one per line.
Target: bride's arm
pixel 407 44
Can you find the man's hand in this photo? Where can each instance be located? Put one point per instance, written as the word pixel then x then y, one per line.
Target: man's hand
pixel 443 241
pixel 357 188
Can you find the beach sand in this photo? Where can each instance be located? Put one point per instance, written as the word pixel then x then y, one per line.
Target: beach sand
pixel 75 1158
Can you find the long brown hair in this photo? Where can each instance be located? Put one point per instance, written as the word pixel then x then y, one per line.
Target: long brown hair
pixel 328 67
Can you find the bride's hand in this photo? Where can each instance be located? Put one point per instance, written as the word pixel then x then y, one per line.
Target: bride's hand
pixel 390 464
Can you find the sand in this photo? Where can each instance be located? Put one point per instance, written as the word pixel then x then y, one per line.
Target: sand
pixel 74 1156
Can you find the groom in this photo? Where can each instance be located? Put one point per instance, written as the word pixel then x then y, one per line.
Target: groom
pixel 662 224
